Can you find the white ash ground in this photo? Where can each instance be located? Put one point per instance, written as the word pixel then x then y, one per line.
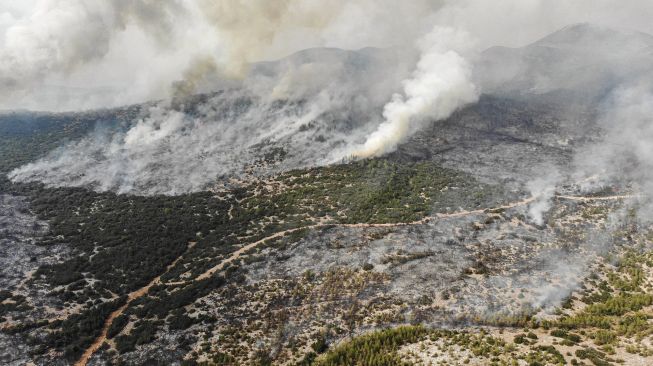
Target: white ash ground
pixel 20 257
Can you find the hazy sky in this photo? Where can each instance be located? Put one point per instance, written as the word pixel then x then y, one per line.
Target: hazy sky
pixel 132 51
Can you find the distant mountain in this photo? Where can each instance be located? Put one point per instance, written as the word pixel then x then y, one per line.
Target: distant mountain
pixel 593 37
pixel 585 59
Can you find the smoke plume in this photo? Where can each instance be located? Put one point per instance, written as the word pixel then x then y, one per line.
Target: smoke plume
pixel 73 54
pixel 317 106
pixel 63 35
pixel 250 27
pixel 543 189
pixel 440 85
pixel 276 120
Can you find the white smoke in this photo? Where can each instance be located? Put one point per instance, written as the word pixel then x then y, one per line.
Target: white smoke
pixel 74 54
pixel 61 35
pixel 339 104
pixel 79 54
pixel 171 152
pixel 440 85
pixel 543 189
pixel 275 121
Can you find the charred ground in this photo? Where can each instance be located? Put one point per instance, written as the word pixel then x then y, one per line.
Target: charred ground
pixel 435 234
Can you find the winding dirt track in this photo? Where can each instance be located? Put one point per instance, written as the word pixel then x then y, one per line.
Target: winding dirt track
pixel 598 198
pixel 237 254
pixel 130 298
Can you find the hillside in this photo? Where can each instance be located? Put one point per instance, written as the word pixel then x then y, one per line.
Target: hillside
pixel 224 243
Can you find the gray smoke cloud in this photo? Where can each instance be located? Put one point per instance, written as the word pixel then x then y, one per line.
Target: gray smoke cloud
pixel 598 79
pixel 222 142
pixel 607 71
pixel 73 54
pixel 60 37
pixel 318 106
pixel 622 156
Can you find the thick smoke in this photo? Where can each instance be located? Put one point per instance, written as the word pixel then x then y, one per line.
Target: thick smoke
pixel 224 139
pixel 440 85
pixel 276 121
pixel 73 54
pixel 61 36
pixel 251 27
pixel 316 107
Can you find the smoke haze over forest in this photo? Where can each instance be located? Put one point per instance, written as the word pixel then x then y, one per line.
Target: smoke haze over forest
pixel 320 105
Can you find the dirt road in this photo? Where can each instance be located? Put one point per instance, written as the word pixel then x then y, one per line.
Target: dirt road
pixel 130 298
pixel 239 253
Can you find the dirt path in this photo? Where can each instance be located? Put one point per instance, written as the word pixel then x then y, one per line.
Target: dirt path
pixel 478 212
pixel 130 298
pixel 239 253
pixel 591 199
pixel 236 255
